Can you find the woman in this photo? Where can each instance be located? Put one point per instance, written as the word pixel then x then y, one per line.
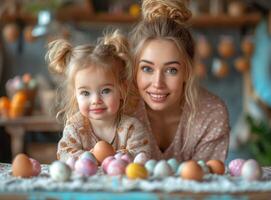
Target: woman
pixel 186 121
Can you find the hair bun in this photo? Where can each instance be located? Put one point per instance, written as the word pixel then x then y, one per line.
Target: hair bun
pixel 173 9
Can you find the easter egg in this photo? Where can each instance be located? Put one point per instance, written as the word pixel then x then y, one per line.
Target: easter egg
pixel 149 165
pixel 11 32
pixel 136 171
pixel 35 166
pixel 127 157
pixel 116 167
pixel 102 150
pixel 204 166
pixel 71 162
pixel 141 158
pixel 59 171
pixel 22 166
pixel 118 155
pixel 162 169
pixel 106 162
pixel 90 156
pixel 85 167
pixel 191 170
pixel 216 166
pixel 251 170
pixel 235 166
pixel 173 163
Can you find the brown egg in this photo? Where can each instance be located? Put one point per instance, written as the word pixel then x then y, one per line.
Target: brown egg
pixel 242 64
pixel 11 32
pixel 191 170
pixel 102 150
pixel 200 70
pixel 28 36
pixel 216 166
pixel 22 166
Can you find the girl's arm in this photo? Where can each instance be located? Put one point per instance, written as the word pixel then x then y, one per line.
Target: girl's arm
pixel 70 144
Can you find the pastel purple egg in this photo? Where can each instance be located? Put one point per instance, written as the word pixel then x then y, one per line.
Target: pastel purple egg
pixel 141 158
pixel 90 156
pixel 36 167
pixel 71 162
pixel 116 167
pixel 85 167
pixel 235 166
pixel 106 162
pixel 127 158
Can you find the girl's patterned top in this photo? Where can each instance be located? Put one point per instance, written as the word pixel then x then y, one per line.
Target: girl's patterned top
pixel 208 137
pixel 79 137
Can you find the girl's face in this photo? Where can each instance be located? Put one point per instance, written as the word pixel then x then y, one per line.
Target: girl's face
pixel 97 94
pixel 161 75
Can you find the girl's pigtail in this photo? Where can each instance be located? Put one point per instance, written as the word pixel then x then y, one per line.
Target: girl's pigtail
pixel 58 55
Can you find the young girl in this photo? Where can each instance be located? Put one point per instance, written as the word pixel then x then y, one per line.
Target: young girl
pixel 184 121
pixel 95 96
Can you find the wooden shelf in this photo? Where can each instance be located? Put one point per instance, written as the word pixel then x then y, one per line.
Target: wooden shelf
pixel 202 21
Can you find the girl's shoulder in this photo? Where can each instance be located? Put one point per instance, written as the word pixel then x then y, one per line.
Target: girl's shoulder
pixel 127 121
pixel 77 120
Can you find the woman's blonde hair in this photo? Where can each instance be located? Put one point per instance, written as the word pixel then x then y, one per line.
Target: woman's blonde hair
pixel 111 53
pixel 168 20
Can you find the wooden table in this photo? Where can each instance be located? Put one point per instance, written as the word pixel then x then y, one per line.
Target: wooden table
pixel 17 128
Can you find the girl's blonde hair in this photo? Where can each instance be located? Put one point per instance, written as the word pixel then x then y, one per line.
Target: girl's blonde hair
pixel 168 20
pixel 111 53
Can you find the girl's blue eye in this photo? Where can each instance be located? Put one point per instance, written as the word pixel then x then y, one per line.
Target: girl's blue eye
pixel 172 70
pixel 146 69
pixel 106 91
pixel 84 93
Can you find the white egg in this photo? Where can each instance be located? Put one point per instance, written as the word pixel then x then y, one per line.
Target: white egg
pixel 173 163
pixel 141 158
pixel 162 169
pixel 149 165
pixel 60 171
pixel 251 170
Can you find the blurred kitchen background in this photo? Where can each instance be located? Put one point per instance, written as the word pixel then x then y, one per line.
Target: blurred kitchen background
pixel 233 45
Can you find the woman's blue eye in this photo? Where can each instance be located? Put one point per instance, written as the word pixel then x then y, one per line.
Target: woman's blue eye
pixel 106 91
pixel 84 93
pixel 146 69
pixel 172 70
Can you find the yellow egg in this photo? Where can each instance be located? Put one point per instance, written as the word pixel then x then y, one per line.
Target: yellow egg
pixel 191 170
pixel 136 171
pixel 102 150
pixel 22 166
pixel 216 166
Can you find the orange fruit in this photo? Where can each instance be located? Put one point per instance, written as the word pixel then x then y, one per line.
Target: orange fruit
pixel 4 106
pixel 19 98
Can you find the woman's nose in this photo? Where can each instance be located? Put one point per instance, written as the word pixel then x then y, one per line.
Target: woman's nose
pixel 158 80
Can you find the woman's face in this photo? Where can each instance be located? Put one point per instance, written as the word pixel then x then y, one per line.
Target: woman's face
pixel 161 75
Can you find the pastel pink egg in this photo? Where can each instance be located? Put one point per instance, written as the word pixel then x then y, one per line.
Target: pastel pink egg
pixel 235 166
pixel 36 166
pixel 71 162
pixel 127 158
pixel 106 162
pixel 116 167
pixel 85 167
pixel 118 155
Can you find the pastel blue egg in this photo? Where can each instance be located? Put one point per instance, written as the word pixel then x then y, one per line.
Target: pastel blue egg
pixel 60 171
pixel 89 155
pixel 150 164
pixel 173 163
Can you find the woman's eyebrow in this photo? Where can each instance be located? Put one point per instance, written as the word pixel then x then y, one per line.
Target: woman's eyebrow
pixel 146 61
pixel 173 62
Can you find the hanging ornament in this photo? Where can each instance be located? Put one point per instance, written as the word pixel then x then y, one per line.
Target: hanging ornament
pixel 203 47
pixel 242 64
pixel 236 8
pixel 11 32
pixel 220 68
pixel 247 46
pixel 226 47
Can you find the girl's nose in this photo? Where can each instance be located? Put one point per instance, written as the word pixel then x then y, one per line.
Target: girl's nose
pixel 158 80
pixel 96 99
